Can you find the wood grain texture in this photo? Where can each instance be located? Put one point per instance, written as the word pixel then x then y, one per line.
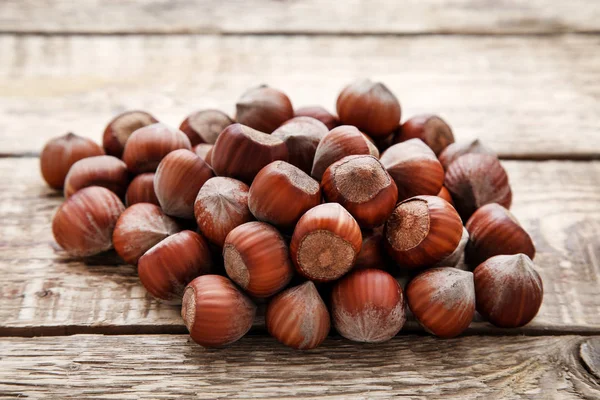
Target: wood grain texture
pixel 159 366
pixel 43 291
pixel 526 97
pixel 300 16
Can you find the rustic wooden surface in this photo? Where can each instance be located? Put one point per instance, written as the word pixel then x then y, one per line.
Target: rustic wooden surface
pixel 526 97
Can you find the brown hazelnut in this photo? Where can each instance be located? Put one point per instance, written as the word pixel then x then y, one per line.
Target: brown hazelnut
pixel 320 113
pixel 84 223
pixel 431 129
pixel 475 180
pixel 370 106
pixel 257 259
pixel 445 194
pixel 240 152
pixel 139 228
pixel 298 317
pixel 372 253
pixel 141 190
pixel 60 153
pixel 264 109
pixel 454 259
pixel 105 171
pixel 363 187
pixel 170 265
pixel 422 231
pixel 442 300
pixel 203 151
pixel 281 193
pixel 508 290
pixel 177 181
pixel 367 305
pixel 221 205
pixel 215 311
pixel 455 150
pixel 414 167
pixel 147 146
pixel 340 142
pixel 205 126
pixel 121 127
pixel 301 136
pixel 495 231
pixel 325 243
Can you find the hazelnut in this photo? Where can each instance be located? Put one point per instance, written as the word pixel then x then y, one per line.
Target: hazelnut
pixel 60 153
pixel 415 169
pixel 508 290
pixel 203 151
pixel 139 228
pixel 240 152
pixel 431 129
pixel 105 171
pixel 298 317
pixel 475 180
pixel 170 265
pixel 422 231
pixel 445 194
pixel 454 259
pixel 363 187
pixel 495 231
pixel 264 109
pixel 215 311
pixel 121 127
pixel 442 300
pixel 177 181
pixel 367 305
pixel 320 113
pixel 301 136
pixel 84 223
pixel 281 193
pixel 370 106
pixel 221 205
pixel 325 243
pixel 455 150
pixel 372 253
pixel 147 146
pixel 340 142
pixel 257 259
pixel 141 190
pixel 204 126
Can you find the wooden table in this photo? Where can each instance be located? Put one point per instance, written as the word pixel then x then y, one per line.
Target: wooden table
pixel 524 76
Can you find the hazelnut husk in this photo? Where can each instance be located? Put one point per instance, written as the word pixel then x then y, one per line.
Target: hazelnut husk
pixel 363 187
pixel 264 109
pixel 105 171
pixel 508 290
pixel 431 129
pixel 475 180
pixel 60 153
pixel 121 127
pixel 454 150
pixel 367 305
pixel 494 231
pixel 204 126
pixel 414 167
pixel 320 113
pixel 141 190
pixel 370 106
pixel 301 136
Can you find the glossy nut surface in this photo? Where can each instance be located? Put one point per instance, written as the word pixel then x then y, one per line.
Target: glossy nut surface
pixel 368 306
pixel 363 187
pixel 141 190
pixel 105 171
pixel 422 231
pixel 204 126
pixel 60 153
pixel 372 253
pixel 301 136
pixel 320 113
pixel 83 225
pixel 325 243
pixel 298 317
pixel 281 193
pixel 442 300
pixel 263 108
pixel 445 194
pixel 170 265
pixel 215 311
pixel 431 129
pixel 257 259
pixel 120 128
pixel 139 228
pixel 458 149
pixel 177 181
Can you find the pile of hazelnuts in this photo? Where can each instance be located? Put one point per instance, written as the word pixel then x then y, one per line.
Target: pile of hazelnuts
pixel 319 217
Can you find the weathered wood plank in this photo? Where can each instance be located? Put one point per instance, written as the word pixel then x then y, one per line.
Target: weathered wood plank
pixel 306 16
pixel 42 291
pixel 159 366
pixel 525 97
